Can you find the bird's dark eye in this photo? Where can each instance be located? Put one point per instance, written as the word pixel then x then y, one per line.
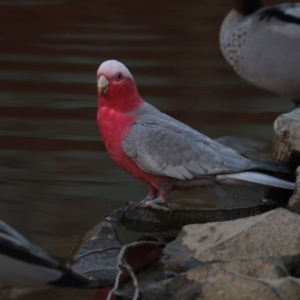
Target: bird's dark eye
pixel 119 76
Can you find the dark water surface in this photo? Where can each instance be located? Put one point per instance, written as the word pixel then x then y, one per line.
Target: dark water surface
pixel 56 180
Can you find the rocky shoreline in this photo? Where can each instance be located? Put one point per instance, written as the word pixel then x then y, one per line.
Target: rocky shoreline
pixel 256 257
pixel 222 253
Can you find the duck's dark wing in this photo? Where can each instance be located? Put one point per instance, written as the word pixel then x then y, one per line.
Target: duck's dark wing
pixel 24 264
pixel 287 13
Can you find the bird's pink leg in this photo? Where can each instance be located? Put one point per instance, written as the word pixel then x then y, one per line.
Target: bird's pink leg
pixel 164 193
pixel 151 195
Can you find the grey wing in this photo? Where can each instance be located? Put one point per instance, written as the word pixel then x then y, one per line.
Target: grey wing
pixel 15 245
pixel 172 149
pixel 9 232
pixel 286 13
pixel 290 12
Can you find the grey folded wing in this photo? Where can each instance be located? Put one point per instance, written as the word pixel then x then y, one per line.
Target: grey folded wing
pixel 14 245
pixel 164 146
pixel 285 13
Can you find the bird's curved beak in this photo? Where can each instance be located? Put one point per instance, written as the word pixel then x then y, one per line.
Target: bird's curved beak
pixel 102 84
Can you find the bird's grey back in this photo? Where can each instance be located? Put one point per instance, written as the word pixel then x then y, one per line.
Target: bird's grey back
pixel 164 146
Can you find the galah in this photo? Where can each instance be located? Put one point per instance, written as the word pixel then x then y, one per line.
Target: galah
pixel 22 264
pixel 163 152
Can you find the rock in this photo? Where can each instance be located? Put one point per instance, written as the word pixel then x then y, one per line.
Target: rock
pixel 138 217
pixel 277 196
pixel 101 266
pixel 264 279
pixel 287 138
pixel 294 202
pixel 275 233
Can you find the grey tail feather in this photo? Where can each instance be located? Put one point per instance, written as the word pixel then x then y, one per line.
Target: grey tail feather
pixel 273 168
pixel 259 178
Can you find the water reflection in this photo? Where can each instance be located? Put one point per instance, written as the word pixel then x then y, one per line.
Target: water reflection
pixel 29 2
pixel 56 180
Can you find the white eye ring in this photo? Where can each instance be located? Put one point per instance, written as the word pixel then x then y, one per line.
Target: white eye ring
pixel 119 76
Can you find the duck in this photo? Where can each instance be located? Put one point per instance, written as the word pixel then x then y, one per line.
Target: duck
pixel 262 45
pixel 23 264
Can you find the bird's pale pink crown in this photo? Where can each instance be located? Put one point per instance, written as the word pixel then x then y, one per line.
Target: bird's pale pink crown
pixel 116 87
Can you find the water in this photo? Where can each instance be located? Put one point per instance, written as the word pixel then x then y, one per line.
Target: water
pixel 56 179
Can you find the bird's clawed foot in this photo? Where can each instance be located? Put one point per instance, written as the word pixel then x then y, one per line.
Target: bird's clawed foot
pixel 152 201
pixel 156 204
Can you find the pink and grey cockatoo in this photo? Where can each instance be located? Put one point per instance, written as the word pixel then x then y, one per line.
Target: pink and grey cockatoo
pixel 163 152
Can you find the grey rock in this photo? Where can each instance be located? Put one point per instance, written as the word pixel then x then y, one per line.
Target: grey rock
pixel 294 202
pixel 272 234
pixel 101 266
pixel 287 138
pixel 138 217
pixel 251 279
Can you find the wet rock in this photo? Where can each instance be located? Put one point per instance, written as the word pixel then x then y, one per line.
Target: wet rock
pixel 287 138
pixel 272 234
pixel 101 266
pixel 277 195
pixel 138 217
pixel 294 202
pixel 252 279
